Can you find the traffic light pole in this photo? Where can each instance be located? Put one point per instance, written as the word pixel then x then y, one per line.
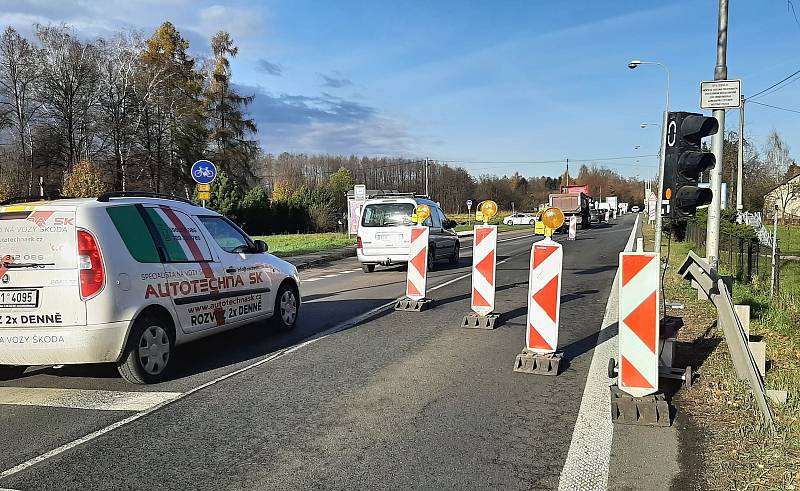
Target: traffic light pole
pixel 714 208
pixel 661 157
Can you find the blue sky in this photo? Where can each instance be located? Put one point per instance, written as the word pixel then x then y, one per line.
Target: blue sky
pixel 481 83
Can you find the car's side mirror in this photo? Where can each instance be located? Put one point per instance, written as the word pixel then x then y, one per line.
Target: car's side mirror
pixel 261 246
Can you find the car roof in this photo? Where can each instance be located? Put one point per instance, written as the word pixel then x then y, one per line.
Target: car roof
pixel 402 199
pixel 115 201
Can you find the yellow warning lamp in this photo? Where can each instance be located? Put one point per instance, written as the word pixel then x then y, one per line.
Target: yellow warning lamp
pixel 552 218
pixel 488 210
pixel 423 212
pixel 668 193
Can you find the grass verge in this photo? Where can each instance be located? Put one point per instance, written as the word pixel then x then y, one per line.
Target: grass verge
pixel 735 452
pixel 466 222
pixel 297 244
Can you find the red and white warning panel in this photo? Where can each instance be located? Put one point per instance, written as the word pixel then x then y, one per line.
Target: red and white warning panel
pixel 544 296
pixel 417 276
pixel 573 227
pixel 484 269
pixel 638 323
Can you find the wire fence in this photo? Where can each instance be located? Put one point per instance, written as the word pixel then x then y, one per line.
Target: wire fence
pixel 746 259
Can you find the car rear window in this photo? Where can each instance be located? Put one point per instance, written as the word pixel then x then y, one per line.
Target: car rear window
pixel 387 214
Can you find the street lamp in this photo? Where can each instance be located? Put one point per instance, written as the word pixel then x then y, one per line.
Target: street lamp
pixel 645 125
pixel 633 64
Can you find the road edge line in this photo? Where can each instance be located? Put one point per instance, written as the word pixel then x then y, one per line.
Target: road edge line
pixel 589 455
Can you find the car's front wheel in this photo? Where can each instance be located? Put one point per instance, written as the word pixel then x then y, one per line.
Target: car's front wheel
pixel 10 372
pixel 431 258
pixel 287 307
pixel 456 254
pixel 148 352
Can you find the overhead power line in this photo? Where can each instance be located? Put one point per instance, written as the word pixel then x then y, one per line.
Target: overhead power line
pixel 776 107
pixel 776 84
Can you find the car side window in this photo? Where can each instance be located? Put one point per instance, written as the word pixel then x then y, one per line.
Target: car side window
pixel 437 222
pixel 178 236
pixel 442 216
pixel 227 236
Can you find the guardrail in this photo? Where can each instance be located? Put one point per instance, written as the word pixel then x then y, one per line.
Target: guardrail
pixel 697 270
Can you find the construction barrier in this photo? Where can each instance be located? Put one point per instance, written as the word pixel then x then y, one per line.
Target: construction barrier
pixel 544 296
pixel 638 323
pixel 484 267
pixel 417 276
pixel 573 227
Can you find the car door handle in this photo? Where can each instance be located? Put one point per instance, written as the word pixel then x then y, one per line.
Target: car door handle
pixel 230 270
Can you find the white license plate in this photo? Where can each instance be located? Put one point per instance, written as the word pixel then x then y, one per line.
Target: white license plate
pixel 391 239
pixel 15 299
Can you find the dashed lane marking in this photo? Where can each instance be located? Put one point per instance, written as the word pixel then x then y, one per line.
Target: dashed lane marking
pixel 586 466
pixel 98 400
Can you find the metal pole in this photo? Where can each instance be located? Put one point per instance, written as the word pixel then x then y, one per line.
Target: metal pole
pixel 774 278
pixel 739 172
pixel 427 194
pixel 714 209
pixel 661 154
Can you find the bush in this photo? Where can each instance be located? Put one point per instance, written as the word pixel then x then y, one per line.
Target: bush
pixel 83 181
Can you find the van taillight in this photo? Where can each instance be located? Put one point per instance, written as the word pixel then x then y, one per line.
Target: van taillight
pixel 359 245
pixel 90 263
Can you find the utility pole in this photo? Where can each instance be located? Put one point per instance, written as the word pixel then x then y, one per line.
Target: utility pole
pixel 427 162
pixel 739 171
pixel 566 174
pixel 714 209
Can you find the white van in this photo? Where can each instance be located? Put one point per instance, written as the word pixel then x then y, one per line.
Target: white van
pixel 125 278
pixel 384 234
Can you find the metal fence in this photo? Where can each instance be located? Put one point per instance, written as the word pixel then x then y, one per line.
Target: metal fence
pixel 746 259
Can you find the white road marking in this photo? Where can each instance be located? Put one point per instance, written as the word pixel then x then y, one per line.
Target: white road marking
pixel 309 280
pixel 313 339
pixel 586 467
pixel 98 400
pixel 329 275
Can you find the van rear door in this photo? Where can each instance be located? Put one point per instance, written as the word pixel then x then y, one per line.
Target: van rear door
pixel 385 228
pixel 39 274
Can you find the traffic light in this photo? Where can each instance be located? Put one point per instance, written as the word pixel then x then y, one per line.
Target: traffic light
pixel 684 161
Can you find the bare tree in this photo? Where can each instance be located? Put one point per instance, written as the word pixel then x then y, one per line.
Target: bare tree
pixel 19 72
pixel 68 91
pixel 778 161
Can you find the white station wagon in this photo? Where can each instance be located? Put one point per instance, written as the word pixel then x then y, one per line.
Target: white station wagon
pixel 125 278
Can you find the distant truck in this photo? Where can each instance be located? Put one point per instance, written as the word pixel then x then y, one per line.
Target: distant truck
pixel 613 205
pixel 623 208
pixel 572 204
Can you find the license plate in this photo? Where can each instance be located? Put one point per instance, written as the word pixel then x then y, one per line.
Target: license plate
pixel 11 299
pixel 392 239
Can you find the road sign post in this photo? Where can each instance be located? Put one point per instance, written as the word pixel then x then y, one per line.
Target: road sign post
pixel 544 303
pixel 203 173
pixel 469 212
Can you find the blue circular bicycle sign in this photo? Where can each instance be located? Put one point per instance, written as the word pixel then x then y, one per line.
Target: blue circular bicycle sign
pixel 204 172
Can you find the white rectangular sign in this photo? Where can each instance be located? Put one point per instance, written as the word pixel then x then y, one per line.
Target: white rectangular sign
pixel 720 94
pixel 360 193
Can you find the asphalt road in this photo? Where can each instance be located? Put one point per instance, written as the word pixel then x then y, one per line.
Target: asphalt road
pixel 401 400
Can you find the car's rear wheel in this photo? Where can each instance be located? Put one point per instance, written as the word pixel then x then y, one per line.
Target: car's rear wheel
pixel 456 254
pixel 148 352
pixel 287 307
pixel 10 372
pixel 367 268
